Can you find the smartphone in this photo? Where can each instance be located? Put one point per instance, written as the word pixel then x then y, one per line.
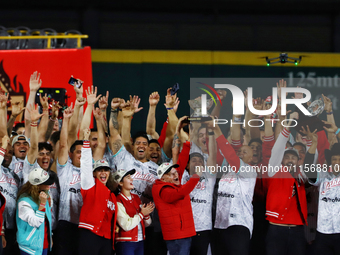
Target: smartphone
pixel 74 81
pixel 174 89
pixel 200 119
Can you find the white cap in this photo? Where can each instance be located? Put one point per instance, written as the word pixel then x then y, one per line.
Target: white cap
pixel 101 163
pixel 40 176
pixel 292 150
pixel 121 173
pixel 164 168
pixel 22 137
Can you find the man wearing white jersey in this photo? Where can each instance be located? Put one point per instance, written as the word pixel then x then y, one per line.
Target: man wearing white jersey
pixel 234 211
pixel 9 183
pixel 201 196
pixel 20 144
pixel 328 180
pixel 70 196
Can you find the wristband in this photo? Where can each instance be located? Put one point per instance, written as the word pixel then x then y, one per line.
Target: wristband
pixel 337 132
pixel 211 133
pixel 115 110
pixel 329 113
pixel 34 124
pixel 42 205
pixel 170 108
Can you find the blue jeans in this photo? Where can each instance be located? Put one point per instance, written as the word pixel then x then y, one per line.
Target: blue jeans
pixel 179 246
pixel 130 248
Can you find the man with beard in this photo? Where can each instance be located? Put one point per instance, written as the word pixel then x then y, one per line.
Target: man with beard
pixel 20 146
pixel 286 208
pixel 9 183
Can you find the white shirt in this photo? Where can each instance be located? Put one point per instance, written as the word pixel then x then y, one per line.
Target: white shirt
pixel 145 176
pixel 201 198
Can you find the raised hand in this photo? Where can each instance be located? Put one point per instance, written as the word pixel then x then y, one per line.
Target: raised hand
pixel 55 109
pixel 169 99
pixel 17 108
pixel 3 101
pixel 328 103
pixel 79 91
pixel 68 112
pixel 115 103
pixel 91 95
pixel 35 81
pixel 135 100
pixel 222 93
pixel 81 102
pixel 87 133
pixel 44 101
pixel 103 102
pixel 154 98
pixel 4 142
pixel 181 123
pixel 176 105
pixel 127 110
pixel 294 115
pixel 281 84
pixel 308 133
pixel 34 112
pixel 258 103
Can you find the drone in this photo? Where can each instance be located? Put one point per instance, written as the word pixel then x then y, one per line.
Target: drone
pixel 283 59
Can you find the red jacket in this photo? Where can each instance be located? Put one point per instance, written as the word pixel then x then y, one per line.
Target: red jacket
pixel 174 208
pixel 132 207
pixel 279 198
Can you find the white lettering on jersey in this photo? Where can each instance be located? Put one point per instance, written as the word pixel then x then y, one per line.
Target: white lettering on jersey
pixel 75 179
pixel 331 184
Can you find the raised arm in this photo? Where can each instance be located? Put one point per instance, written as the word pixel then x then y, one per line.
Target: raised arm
pixel 217 109
pixel 103 103
pixel 74 121
pixel 42 129
pixel 35 84
pixel 4 144
pixel 63 143
pixel 115 140
pixel 127 112
pixel 99 151
pixel 3 115
pixel 86 171
pixel 170 102
pixel 151 119
pixel 17 108
pixel 34 116
pixel 92 98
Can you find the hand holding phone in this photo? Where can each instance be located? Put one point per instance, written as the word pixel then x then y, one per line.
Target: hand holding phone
pixel 75 82
pixel 174 89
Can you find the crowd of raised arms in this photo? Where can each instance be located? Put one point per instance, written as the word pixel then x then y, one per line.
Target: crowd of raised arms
pixel 195 188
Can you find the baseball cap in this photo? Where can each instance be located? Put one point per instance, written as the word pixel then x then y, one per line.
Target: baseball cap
pixel 292 151
pixel 101 163
pixel 40 176
pixel 121 173
pixel 20 138
pixel 165 168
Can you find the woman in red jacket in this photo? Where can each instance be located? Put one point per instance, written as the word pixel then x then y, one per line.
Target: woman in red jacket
pixel 132 216
pixel 99 211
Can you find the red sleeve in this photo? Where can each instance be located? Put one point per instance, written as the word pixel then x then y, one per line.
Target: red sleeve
pixel 171 195
pixel 228 152
pixel 323 144
pixel 162 137
pixel 183 159
pixel 236 144
pixel 267 147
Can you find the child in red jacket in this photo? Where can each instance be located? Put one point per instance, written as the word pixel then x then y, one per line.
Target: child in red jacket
pixel 132 216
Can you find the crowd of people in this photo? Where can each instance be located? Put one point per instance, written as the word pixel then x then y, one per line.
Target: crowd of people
pixel 69 189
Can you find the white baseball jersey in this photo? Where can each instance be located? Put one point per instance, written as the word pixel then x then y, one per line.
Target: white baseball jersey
pixel 329 202
pixel 145 176
pixel 71 200
pixel 17 166
pixel 234 198
pixel 9 183
pixel 201 198
pixel 195 148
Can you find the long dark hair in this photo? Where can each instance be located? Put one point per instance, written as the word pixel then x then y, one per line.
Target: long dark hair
pixel 29 190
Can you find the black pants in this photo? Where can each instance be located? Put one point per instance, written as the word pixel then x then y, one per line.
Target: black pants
pixel 327 244
pixel 234 240
pixel 282 240
pixel 92 244
pixel 200 243
pixel 68 238
pixel 258 238
pixel 12 247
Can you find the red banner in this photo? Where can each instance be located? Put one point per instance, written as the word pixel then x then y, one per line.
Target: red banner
pixel 55 65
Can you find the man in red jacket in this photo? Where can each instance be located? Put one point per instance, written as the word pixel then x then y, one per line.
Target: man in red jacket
pixel 172 201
